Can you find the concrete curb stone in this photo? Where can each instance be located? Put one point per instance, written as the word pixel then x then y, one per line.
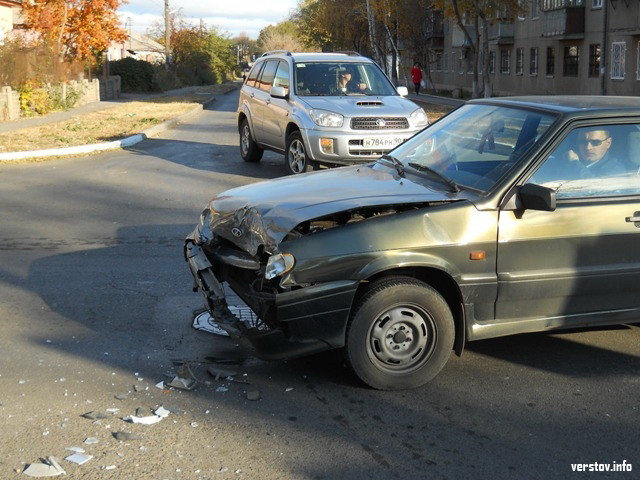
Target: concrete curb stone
pixel 125 142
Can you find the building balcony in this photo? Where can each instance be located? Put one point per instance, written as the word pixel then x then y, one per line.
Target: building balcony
pixel 501 33
pixel 564 23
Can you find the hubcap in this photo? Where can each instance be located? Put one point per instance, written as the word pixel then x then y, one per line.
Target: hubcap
pixel 297 157
pixel 245 138
pixel 401 339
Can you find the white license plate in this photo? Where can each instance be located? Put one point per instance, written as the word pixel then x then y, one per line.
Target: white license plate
pixel 388 142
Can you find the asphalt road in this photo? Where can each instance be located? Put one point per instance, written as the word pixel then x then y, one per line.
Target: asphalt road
pixel 95 298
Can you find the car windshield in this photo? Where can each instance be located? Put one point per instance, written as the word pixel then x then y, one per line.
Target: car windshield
pixel 472 147
pixel 340 78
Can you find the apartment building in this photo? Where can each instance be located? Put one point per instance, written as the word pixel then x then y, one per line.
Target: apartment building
pixel 586 47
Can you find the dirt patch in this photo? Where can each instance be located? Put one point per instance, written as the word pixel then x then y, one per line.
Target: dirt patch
pixel 107 125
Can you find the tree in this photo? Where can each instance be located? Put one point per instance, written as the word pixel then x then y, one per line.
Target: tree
pixel 79 29
pixel 282 36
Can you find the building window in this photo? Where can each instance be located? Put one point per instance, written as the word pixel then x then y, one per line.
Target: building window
pixel 594 60
pixel 519 60
pixel 551 62
pixel 596 3
pixel 445 62
pixel 618 52
pixel 438 62
pixel 533 61
pixel 492 60
pixel 461 62
pixel 505 61
pixel 521 9
pixel 534 8
pixel 453 62
pixel 638 63
pixel 571 58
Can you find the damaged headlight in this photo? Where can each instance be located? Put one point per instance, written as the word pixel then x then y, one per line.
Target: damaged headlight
pixel 279 264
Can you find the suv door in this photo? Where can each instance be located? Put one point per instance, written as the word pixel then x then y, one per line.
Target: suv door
pixel 247 95
pixel 275 118
pixel 262 97
pixel 579 264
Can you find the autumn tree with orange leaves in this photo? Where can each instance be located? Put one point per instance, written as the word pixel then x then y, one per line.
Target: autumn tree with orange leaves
pixel 78 29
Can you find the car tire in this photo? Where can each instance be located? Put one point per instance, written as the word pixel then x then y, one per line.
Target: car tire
pixel 400 334
pixel 296 158
pixel 249 149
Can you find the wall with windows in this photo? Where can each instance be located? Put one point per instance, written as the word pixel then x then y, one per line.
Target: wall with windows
pixel 555 47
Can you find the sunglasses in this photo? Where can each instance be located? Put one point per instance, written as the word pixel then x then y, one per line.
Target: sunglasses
pixel 593 142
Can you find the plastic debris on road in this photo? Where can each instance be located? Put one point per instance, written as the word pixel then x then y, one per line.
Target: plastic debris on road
pixel 126 436
pixel 49 469
pixel 79 458
pixel 91 440
pixel 253 395
pixel 182 383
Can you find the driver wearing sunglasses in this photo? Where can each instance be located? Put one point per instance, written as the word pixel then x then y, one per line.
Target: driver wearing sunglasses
pixel 593 155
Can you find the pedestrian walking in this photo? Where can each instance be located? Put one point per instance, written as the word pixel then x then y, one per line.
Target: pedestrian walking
pixel 416 76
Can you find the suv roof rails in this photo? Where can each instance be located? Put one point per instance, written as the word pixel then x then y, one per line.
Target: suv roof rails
pixel 349 52
pixel 275 52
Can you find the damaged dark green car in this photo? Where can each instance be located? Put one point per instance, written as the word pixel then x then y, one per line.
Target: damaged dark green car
pixel 504 217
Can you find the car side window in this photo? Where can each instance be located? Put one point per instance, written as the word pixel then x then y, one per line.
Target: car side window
pixel 594 161
pixel 266 77
pixel 253 75
pixel 282 76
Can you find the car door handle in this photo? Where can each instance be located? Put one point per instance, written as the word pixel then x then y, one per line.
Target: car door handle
pixel 253 95
pixel 269 102
pixel 635 218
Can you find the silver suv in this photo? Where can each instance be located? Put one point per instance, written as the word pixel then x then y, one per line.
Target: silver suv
pixel 322 108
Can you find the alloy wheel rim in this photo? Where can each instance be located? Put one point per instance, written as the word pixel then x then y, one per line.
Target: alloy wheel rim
pixel 296 156
pixel 401 339
pixel 245 139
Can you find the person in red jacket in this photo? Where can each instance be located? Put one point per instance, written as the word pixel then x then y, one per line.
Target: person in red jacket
pixel 416 76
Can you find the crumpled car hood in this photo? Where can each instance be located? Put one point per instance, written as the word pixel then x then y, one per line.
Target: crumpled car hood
pixel 348 105
pixel 264 213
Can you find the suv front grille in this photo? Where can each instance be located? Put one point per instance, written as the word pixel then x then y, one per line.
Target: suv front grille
pixel 379 123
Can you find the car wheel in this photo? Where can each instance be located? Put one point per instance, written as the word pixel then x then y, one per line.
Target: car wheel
pixel 296 158
pixel 249 150
pixel 400 334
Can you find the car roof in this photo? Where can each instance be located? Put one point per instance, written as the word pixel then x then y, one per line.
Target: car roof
pixel 569 103
pixel 320 57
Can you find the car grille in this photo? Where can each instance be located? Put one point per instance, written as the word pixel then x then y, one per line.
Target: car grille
pixel 379 123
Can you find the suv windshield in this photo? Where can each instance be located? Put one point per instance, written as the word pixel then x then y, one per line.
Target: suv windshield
pixel 340 78
pixel 474 146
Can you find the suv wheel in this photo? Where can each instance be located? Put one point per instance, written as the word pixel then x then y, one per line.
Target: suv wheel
pixel 296 157
pixel 249 149
pixel 400 334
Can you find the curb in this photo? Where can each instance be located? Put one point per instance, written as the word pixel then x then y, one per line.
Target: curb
pixel 125 142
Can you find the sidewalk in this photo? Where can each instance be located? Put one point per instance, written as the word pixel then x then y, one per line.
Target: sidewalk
pixel 435 100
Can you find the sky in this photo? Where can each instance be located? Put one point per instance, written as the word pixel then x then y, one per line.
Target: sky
pixel 228 16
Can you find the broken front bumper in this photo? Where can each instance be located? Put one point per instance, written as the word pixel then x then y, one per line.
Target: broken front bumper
pixel 291 323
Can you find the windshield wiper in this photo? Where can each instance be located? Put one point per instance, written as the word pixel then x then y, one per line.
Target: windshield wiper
pixel 396 163
pixel 423 168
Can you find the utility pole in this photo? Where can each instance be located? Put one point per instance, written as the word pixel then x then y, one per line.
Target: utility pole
pixel 167 33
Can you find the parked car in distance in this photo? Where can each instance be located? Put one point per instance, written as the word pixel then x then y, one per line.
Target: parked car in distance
pixel 322 109
pixel 506 216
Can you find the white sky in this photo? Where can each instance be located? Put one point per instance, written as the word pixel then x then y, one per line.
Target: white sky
pixel 228 16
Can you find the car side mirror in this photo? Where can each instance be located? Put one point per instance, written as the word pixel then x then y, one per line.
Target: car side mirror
pixel 402 91
pixel 278 92
pixel 536 197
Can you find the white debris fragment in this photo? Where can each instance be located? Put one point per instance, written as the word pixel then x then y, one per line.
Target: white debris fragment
pixel 113 410
pixel 149 420
pixel 50 469
pixel 222 389
pixel 75 449
pixel 194 424
pixel 160 385
pixel 161 412
pixel 288 389
pixel 79 458
pixel 91 440
pixel 182 383
pixel 109 467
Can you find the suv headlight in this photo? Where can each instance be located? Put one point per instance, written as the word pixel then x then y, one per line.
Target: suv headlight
pixel 419 118
pixel 325 118
pixel 279 264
